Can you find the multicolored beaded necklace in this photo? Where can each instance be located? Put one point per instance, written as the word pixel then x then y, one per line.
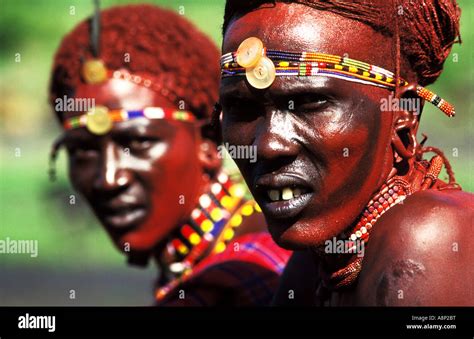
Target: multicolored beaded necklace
pixel 260 66
pixel 208 231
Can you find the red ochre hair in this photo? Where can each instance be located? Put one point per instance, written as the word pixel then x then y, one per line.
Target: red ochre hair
pixel 160 44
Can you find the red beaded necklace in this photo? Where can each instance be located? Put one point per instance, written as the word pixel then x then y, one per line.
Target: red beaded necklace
pixel 390 194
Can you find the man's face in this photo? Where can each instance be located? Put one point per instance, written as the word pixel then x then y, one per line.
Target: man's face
pixel 323 145
pixel 141 178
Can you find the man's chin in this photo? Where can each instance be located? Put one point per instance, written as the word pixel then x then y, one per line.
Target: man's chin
pixel 137 241
pixel 289 239
pixel 135 255
pixel 136 258
pixel 295 237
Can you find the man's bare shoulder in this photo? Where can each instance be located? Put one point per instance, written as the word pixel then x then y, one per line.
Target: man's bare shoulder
pixel 421 252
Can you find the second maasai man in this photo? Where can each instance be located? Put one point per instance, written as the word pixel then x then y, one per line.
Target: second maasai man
pixel 145 156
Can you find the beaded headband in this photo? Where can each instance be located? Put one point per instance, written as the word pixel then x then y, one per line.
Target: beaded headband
pixel 260 66
pixel 94 71
pixel 100 119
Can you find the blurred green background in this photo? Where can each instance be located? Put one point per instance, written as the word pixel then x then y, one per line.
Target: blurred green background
pixel 74 252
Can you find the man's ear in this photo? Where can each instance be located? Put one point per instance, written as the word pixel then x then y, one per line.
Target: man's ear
pixel 209 156
pixel 406 121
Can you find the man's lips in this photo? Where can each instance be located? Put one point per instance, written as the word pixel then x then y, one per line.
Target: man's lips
pixel 119 215
pixel 283 195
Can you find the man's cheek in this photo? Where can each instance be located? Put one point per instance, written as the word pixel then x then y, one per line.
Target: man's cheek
pixel 227 134
pixel 81 186
pixel 82 178
pixel 237 133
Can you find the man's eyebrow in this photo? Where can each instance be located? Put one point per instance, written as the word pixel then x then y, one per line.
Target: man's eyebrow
pixel 76 134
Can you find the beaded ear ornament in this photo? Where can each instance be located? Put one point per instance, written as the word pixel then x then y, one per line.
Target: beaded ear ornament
pixel 260 66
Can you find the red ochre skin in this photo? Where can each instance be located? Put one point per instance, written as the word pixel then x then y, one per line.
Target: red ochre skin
pixel 138 193
pixel 412 247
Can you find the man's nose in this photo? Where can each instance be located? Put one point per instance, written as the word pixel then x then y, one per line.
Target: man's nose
pixel 112 174
pixel 275 137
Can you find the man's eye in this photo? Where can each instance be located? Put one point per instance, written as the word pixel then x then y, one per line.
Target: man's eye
pixel 82 151
pixel 313 105
pixel 141 143
pixel 241 109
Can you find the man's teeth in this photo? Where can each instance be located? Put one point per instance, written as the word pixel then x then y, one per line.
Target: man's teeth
pixel 286 194
pixel 274 195
pixel 296 192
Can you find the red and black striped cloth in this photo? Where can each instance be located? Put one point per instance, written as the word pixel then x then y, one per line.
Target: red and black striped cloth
pixel 245 274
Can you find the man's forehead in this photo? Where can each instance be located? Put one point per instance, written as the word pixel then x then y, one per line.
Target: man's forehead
pixel 117 93
pixel 282 86
pixel 296 27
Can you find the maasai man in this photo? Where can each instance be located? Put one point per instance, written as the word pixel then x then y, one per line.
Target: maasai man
pixel 307 82
pixel 146 158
